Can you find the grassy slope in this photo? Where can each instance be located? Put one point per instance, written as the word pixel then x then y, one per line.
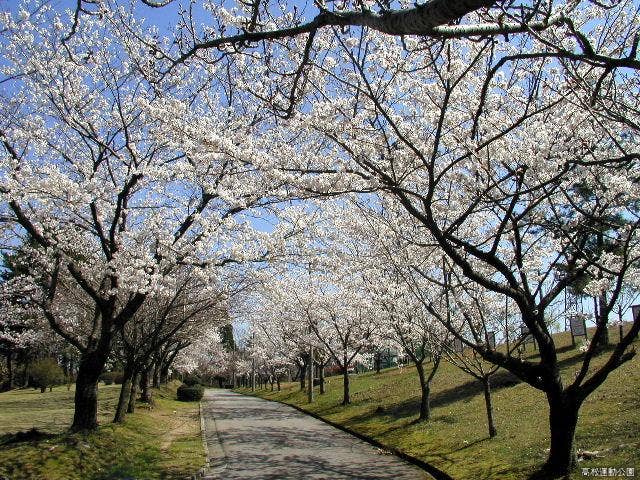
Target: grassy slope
pixel 456 439
pixel 161 443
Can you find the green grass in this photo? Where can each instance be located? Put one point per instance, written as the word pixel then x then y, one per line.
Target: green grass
pixel 161 443
pixel 456 438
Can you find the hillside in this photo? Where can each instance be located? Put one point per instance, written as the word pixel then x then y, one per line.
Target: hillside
pixel 384 406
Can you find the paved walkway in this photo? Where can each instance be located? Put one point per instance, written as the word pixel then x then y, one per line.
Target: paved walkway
pixel 251 438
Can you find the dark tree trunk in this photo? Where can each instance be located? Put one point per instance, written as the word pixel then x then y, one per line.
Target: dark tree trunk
pixel 156 375
pixel 10 368
pixel 486 384
pixel 378 361
pixel 563 418
pixel 164 374
pixel 602 317
pixel 303 376
pixel 131 408
pixel 278 382
pixel 346 397
pixel 321 378
pixel 65 365
pixel 145 385
pixel 425 392
pixel 25 375
pixel 125 393
pixel 166 365
pixel 43 389
pixel 92 363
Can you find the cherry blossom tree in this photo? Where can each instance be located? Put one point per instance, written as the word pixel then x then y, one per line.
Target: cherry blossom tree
pixel 278 333
pixel 161 321
pixel 118 179
pixel 489 149
pixel 418 334
pixel 284 39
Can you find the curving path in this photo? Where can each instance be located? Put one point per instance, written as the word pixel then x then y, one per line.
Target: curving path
pixel 251 438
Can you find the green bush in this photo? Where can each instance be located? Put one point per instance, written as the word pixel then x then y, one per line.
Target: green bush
pixel 46 373
pixel 192 380
pixel 111 377
pixel 190 393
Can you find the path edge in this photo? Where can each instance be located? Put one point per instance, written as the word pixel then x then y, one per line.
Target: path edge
pixel 202 471
pixel 435 472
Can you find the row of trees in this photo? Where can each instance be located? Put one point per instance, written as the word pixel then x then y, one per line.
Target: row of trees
pixel 359 286
pixel 127 215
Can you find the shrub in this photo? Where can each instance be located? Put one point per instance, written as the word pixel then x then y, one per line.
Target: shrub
pixel 111 377
pixel 190 393
pixel 46 373
pixel 192 380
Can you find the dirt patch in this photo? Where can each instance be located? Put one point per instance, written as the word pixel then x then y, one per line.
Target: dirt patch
pixel 176 425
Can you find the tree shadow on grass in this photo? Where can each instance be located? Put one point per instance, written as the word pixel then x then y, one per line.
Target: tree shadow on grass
pixel 468 390
pixel 464 392
pixel 32 435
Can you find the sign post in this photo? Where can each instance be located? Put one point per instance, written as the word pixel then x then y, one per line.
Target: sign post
pixel 527 337
pixel 578 328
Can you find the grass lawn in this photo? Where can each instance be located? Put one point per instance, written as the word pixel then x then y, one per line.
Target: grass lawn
pixel 385 407
pixel 161 443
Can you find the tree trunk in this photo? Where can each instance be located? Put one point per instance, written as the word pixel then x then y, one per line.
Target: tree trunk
pixel 378 361
pixel 321 378
pixel 156 375
pixel 166 365
pixel 43 389
pixel 10 368
pixel 563 418
pixel 25 375
pixel 278 382
pixel 346 398
pixel 303 376
pixel 131 408
pixel 425 391
pixel 603 318
pixel 125 393
pixel 85 416
pixel 145 384
pixel 65 365
pixel 486 384
pixel 164 373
